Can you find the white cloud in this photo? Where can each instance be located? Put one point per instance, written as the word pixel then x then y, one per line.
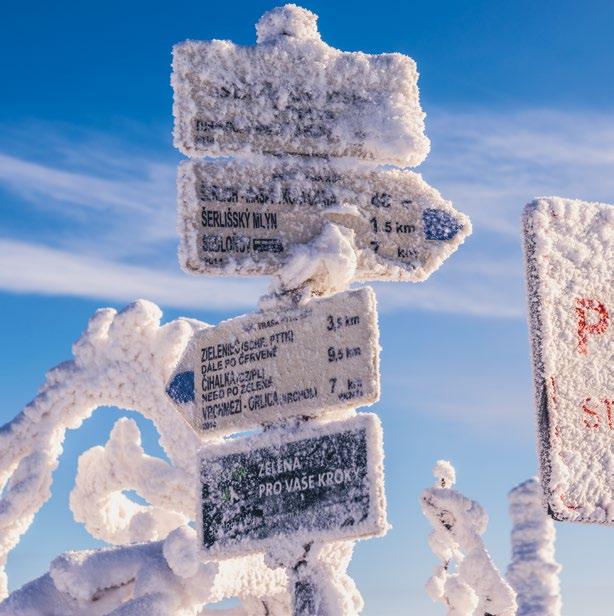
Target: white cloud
pixel 491 163
pixel 114 213
pixel 27 268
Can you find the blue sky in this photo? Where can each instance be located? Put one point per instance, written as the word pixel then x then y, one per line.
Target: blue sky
pixel 519 101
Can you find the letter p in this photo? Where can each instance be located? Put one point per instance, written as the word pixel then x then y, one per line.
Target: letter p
pixel 587 325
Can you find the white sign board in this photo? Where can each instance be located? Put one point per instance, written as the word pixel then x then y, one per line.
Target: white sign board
pixel 244 218
pixel 262 367
pixel 293 94
pixel 324 482
pixel 569 247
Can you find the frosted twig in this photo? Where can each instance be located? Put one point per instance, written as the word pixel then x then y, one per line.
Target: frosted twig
pixel 477 587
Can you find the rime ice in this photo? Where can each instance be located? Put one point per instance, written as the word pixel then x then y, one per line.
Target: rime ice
pixel 569 248
pixel 533 572
pixel 248 218
pixel 293 94
pixel 476 587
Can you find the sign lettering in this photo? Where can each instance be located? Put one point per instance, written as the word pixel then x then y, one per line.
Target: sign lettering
pixel 244 219
pixel 324 482
pixel 270 365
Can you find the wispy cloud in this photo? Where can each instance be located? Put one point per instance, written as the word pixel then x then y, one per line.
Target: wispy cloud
pixel 492 163
pixel 113 210
pixel 27 268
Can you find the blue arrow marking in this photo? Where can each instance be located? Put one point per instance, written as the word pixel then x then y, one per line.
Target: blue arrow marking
pixel 181 388
pixel 439 225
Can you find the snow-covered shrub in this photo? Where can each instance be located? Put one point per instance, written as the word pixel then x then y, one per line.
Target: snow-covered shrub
pixel 475 586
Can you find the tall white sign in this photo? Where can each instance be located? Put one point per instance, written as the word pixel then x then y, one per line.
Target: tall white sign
pixel 569 248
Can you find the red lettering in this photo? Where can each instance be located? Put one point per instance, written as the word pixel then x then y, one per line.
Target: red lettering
pixel 591 413
pixel 567 503
pixel 608 407
pixel 584 327
pixel 592 417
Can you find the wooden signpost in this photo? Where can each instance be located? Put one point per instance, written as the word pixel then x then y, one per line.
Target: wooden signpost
pixel 245 218
pixel 569 247
pixel 267 366
pixel 307 126
pixel 320 483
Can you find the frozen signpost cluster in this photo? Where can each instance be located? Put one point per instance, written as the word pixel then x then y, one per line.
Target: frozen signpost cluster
pixel 301 199
pixel 294 133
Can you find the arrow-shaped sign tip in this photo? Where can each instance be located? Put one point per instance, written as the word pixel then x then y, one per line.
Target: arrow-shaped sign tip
pixel 181 388
pixel 439 225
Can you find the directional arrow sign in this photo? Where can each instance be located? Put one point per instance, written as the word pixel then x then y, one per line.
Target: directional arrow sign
pixel 265 366
pixel 324 482
pixel 293 94
pixel 245 218
pixel 570 253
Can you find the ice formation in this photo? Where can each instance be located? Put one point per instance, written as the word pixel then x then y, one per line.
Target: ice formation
pixel 569 248
pixel 149 578
pixel 97 499
pixel 123 359
pixel 293 94
pixel 533 572
pixel 476 587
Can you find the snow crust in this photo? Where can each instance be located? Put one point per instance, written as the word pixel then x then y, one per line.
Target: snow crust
pixel 289 20
pixel 140 579
pixel 533 572
pixel 476 587
pixel 325 266
pixel 103 473
pixel 122 359
pixel 569 248
pixel 294 94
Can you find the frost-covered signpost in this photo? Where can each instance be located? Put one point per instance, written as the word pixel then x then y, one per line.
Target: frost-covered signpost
pixel 303 200
pixel 569 248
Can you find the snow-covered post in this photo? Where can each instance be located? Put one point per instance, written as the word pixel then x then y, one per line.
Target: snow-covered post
pixel 304 199
pixel 533 572
pixel 476 588
pixel 317 582
pixel 318 215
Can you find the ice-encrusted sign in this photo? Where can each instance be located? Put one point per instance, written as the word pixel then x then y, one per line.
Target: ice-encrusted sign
pixel 246 218
pixel 293 94
pixel 324 482
pixel 569 247
pixel 265 366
